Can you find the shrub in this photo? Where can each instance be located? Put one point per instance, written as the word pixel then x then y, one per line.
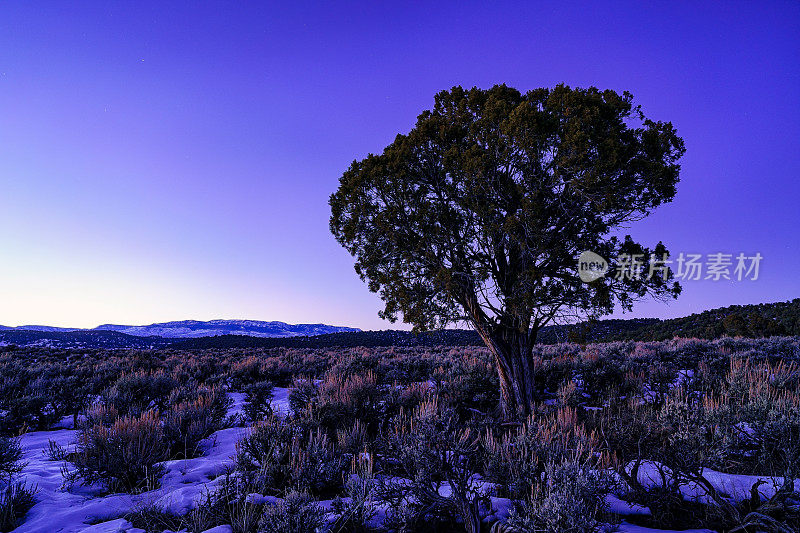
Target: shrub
pixel 228 503
pixel 153 517
pixel 316 466
pixel 246 372
pixel 15 502
pixel 71 393
pixel 569 395
pixel 571 499
pixel 123 456
pixel 10 455
pixel 342 400
pixel 470 388
pixel 757 412
pixel 276 457
pixel 665 442
pixel 743 424
pixel 358 507
pixel 137 392
pixel 297 513
pixel 303 396
pixel 100 415
pixel 220 402
pixel 29 409
pixel 190 421
pixel 257 398
pixel 406 399
pixel 518 459
pixel 264 456
pixel 15 497
pixel 432 451
pixel 354 440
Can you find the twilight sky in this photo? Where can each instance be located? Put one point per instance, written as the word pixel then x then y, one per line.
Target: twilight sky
pixel 165 161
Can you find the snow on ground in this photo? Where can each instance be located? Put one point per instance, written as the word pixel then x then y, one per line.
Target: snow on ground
pixel 88 510
pixel 59 510
pixel 280 400
pixel 119 525
pixel 736 487
pixel 237 407
pixel 625 527
pixel 623 508
pixel 80 508
pixel 186 480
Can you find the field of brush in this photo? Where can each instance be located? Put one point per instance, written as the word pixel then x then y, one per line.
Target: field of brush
pixel 626 436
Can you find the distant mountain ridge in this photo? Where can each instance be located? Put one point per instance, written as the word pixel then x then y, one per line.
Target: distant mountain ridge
pixel 33 327
pixel 756 320
pixel 188 329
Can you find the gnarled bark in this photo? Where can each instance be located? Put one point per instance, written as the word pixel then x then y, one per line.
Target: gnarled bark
pixel 511 349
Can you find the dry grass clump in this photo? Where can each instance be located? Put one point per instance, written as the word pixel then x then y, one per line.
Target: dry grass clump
pixel 276 457
pixel 124 456
pixel 191 420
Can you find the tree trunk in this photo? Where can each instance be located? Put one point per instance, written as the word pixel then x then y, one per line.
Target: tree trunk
pixel 469 509
pixel 511 349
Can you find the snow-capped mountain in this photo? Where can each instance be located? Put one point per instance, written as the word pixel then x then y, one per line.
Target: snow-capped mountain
pixel 195 328
pixel 211 328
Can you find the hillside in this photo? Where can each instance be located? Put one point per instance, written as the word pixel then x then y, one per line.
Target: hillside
pixel 79 339
pixel 155 335
pixel 759 320
pixel 211 328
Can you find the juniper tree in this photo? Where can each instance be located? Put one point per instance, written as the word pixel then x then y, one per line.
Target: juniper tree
pixel 479 213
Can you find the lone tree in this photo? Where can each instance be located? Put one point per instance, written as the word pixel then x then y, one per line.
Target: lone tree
pixel 479 213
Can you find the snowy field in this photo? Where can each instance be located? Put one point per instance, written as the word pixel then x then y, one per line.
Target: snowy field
pixel 86 509
pixel 418 429
pixel 78 508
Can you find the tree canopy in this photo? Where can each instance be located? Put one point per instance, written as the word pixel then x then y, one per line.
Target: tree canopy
pixel 479 213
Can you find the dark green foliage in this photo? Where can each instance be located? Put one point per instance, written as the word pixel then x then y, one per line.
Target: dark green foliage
pixel 479 213
pixel 761 320
pixel 479 184
pixel 10 454
pixel 16 498
pixel 257 400
pixel 29 401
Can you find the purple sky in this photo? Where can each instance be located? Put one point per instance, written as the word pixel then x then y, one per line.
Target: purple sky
pixel 164 162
